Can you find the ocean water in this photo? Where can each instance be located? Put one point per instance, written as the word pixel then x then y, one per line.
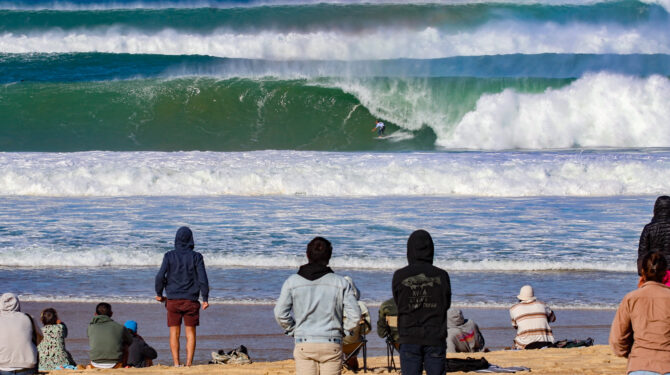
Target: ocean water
pixel 529 137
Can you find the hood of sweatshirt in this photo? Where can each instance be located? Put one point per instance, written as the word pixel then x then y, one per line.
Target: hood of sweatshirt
pixel 183 241
pixel 357 293
pixel 313 271
pixel 662 208
pixel 455 318
pixel 9 302
pixel 420 247
pixel 97 319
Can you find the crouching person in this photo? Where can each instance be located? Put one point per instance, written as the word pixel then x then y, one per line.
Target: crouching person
pixel 463 335
pixel 140 354
pixel 324 308
pixel 108 339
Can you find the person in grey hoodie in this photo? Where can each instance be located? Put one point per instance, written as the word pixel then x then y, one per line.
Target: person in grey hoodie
pixel 18 338
pixel 324 308
pixel 183 276
pixel 463 335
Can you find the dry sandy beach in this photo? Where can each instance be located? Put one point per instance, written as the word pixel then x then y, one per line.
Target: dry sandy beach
pixel 226 326
pixel 593 360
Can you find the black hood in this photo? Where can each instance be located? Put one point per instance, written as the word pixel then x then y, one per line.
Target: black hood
pixel 662 208
pixel 313 271
pixel 420 247
pixel 184 239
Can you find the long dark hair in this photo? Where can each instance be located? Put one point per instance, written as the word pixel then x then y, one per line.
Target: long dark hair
pixel 654 266
pixel 49 316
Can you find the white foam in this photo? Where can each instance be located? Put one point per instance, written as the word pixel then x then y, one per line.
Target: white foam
pixel 597 110
pixel 266 173
pixel 506 37
pixel 36 257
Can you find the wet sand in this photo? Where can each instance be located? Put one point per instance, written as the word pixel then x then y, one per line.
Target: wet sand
pixel 227 326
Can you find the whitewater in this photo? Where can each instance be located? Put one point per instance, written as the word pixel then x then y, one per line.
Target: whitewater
pixel 289 173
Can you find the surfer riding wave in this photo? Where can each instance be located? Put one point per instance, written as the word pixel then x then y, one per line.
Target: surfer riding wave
pixel 379 127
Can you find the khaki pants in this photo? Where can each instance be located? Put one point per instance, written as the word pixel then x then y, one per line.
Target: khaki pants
pixel 312 358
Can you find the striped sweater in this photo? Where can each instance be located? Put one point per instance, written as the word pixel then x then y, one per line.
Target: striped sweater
pixel 531 319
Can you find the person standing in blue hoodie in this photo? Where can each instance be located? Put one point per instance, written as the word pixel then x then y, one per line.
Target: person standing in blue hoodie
pixel 183 276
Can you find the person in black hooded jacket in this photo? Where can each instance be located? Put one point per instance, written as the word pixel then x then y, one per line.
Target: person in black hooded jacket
pixel 182 275
pixel 656 235
pixel 422 293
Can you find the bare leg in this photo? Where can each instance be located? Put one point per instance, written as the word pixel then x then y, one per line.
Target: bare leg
pixel 190 344
pixel 175 331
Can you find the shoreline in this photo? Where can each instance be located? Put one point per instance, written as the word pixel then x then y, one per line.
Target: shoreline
pixel 226 326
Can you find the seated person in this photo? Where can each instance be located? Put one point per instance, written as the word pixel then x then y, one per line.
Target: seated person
pixel 18 338
pixel 388 312
pixel 108 339
pixel 140 354
pixel 52 352
pixel 350 342
pixel 462 334
pixel 531 319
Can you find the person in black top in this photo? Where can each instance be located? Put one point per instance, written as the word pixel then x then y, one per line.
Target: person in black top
pixel 422 293
pixel 656 235
pixel 140 354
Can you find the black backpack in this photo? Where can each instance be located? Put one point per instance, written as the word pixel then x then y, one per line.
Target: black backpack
pixel 467 364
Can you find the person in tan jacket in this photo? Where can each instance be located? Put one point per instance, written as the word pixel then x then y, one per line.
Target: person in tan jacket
pixel 641 327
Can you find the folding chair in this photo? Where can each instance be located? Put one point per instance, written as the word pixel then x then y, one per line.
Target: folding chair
pixel 357 348
pixel 391 346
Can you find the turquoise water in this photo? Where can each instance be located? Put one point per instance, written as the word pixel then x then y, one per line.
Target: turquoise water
pixel 530 138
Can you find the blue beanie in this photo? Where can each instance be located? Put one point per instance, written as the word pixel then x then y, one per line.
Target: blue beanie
pixel 131 325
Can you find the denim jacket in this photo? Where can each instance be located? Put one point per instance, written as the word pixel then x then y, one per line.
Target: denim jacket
pixel 323 309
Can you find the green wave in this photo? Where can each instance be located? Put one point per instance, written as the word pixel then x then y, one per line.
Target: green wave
pixel 240 114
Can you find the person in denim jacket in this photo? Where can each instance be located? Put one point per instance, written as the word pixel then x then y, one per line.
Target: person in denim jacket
pixel 324 308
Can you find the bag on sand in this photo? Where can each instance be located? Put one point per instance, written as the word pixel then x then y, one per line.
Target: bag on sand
pixel 573 343
pixel 239 356
pixel 467 364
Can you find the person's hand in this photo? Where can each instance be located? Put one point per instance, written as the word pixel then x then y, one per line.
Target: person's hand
pixel 160 298
pixel 205 305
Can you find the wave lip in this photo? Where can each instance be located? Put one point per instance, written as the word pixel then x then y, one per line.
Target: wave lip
pixel 493 38
pixel 163 4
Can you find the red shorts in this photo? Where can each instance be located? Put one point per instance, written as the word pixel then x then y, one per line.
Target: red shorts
pixel 178 308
